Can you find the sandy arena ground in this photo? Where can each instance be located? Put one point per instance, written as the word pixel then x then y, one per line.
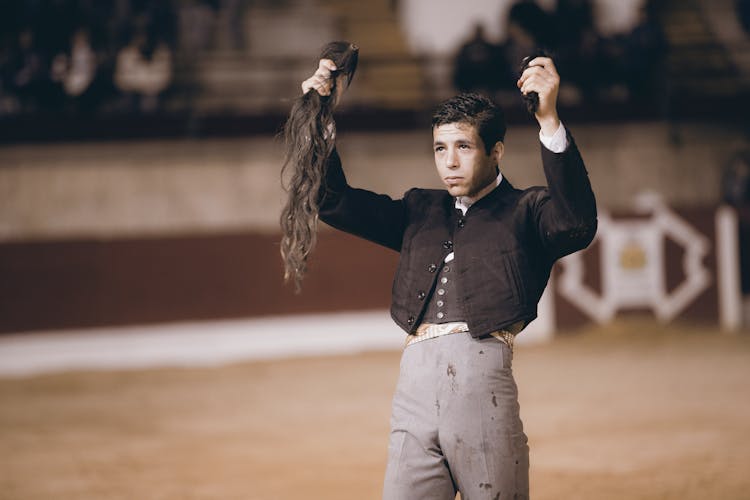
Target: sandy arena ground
pixel 631 412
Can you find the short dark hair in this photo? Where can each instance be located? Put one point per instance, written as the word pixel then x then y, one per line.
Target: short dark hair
pixel 476 110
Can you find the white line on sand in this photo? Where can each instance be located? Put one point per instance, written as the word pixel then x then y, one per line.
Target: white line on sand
pixel 200 343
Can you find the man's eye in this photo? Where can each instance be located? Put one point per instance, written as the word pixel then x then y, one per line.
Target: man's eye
pixel 439 149
pixel 464 146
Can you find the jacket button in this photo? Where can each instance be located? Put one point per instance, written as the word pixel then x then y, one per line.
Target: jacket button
pixel 432 268
pixel 411 320
pixel 447 244
pixel 421 295
pixel 461 222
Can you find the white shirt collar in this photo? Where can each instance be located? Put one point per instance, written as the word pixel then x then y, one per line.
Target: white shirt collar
pixel 464 202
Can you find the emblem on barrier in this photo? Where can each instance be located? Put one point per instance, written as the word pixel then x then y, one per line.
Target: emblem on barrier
pixel 633 264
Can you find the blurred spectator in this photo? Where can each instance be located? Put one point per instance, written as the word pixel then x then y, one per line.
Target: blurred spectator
pixel 159 20
pixel 53 21
pixel 743 13
pixel 736 180
pixel 645 47
pixel 574 20
pixel 76 69
pixel 232 21
pixel 577 49
pixel 477 66
pixel 528 28
pixel 28 75
pixel 84 73
pixel 143 72
pixel 8 103
pixel 736 192
pixel 635 59
pixel 197 20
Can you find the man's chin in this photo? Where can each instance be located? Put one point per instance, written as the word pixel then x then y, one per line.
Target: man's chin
pixel 456 191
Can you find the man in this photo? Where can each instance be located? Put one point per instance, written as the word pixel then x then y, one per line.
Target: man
pixel 475 259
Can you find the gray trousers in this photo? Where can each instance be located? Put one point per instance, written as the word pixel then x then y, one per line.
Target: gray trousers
pixel 455 424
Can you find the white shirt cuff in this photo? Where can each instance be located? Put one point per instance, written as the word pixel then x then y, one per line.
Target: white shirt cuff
pixel 557 142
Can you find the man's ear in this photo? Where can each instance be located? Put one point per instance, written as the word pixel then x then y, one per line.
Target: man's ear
pixel 497 152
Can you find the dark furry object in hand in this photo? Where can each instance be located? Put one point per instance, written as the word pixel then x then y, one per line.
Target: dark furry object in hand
pixel 532 98
pixel 309 139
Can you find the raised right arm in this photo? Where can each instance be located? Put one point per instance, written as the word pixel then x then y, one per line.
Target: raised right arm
pixel 375 217
pixel 372 216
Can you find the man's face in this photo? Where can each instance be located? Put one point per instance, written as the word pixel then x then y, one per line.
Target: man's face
pixel 462 163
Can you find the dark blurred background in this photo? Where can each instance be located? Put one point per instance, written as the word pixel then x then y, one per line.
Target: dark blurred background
pixel 116 68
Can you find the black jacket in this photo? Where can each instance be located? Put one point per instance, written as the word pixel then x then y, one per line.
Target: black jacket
pixel 504 246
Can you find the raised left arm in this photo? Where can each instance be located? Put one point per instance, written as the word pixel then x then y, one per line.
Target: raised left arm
pixel 565 213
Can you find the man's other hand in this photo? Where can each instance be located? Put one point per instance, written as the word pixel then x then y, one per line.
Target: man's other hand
pixel 541 77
